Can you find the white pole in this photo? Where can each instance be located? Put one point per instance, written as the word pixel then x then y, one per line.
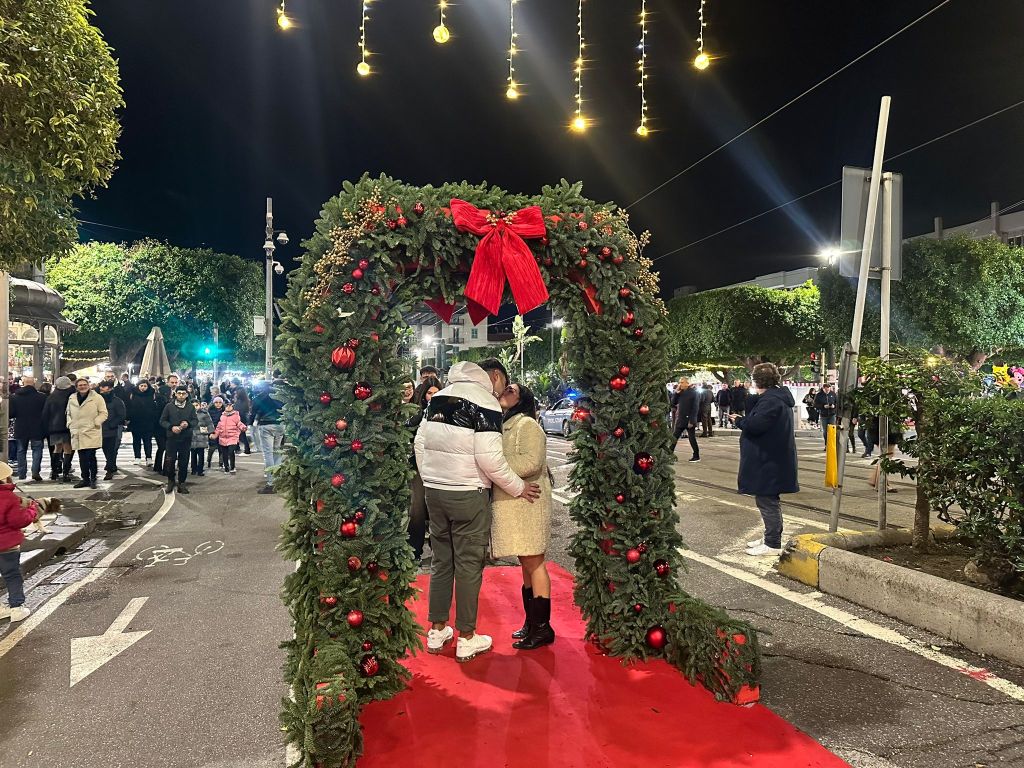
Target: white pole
pixel 5 337
pixel 269 250
pixel 883 422
pixel 858 313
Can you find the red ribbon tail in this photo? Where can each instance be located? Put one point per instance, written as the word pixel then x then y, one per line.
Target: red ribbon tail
pixel 589 293
pixel 486 277
pixel 523 274
pixel 476 312
pixel 441 308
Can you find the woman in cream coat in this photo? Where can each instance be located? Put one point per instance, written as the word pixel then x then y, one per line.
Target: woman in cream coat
pixel 522 528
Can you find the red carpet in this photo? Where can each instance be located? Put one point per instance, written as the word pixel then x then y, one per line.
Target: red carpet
pixel 565 705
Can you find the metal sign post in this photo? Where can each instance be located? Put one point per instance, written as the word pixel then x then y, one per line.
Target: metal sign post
pixel 849 362
pixel 883 350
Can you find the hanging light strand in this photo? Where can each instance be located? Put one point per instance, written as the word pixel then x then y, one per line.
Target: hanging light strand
pixel 513 90
pixel 441 32
pixel 641 130
pixel 363 68
pixel 579 122
pixel 282 18
pixel 702 60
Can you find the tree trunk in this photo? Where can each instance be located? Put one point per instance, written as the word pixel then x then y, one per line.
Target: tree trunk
pixel 922 509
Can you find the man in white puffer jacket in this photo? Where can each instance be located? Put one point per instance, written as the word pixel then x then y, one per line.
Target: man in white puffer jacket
pixel 459 455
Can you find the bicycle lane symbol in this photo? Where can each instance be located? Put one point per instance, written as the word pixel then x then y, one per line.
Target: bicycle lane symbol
pixel 163 554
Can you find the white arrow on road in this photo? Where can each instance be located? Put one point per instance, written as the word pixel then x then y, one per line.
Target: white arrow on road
pixel 90 653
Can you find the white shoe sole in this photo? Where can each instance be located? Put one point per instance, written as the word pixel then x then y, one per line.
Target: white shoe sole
pixel 444 645
pixel 757 543
pixel 464 659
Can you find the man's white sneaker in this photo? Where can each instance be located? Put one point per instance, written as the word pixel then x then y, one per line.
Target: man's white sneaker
pixel 755 543
pixel 761 550
pixel 5 613
pixel 437 639
pixel 20 613
pixel 470 649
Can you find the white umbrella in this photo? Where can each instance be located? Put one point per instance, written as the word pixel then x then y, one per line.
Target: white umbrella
pixel 154 359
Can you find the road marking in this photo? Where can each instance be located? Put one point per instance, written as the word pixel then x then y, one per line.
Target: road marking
pixel 161 553
pixel 61 597
pixel 868 628
pixel 785 516
pixel 90 653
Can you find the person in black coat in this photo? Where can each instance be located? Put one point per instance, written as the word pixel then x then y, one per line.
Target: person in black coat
pixel 768 460
pixel 738 399
pixel 707 397
pixel 55 422
pixel 826 403
pixel 116 416
pixel 723 399
pixel 143 420
pixel 27 406
pixel 687 416
pixel 177 422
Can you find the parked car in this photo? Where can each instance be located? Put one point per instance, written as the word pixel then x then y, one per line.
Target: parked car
pixel 558 418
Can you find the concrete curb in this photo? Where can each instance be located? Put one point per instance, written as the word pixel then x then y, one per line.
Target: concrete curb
pixel 979 620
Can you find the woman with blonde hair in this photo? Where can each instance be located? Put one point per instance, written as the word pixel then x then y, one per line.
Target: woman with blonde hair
pixel 521 528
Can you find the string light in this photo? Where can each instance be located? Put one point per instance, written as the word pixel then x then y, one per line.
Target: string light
pixel 362 67
pixel 702 61
pixel 513 89
pixel 579 122
pixel 641 130
pixel 441 33
pixel 282 18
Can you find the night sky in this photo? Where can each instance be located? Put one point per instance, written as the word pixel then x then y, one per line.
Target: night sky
pixel 224 109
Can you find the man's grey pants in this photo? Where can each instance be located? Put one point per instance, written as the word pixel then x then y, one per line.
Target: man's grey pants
pixel 460 528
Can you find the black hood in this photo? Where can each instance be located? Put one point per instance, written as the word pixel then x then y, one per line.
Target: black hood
pixel 780 393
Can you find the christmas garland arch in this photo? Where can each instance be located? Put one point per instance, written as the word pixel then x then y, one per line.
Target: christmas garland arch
pixel 380 249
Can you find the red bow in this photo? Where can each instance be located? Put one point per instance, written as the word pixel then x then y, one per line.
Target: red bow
pixel 501 254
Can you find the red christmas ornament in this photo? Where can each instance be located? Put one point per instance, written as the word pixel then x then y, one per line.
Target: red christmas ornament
pixel 611 587
pixel 341 425
pixel 331 441
pixel 418 209
pixel 360 515
pixel 375 291
pixel 349 529
pixel 638 333
pixel 325 398
pixel 642 548
pixel 364 263
pixel 354 563
pixel 608 547
pixel 643 463
pixel 662 568
pixel 343 358
pixel 376 406
pixel 582 225
pixel 632 556
pixel 392 224
pixel 625 293
pixel 607 526
pixel 354 618
pixel 329 600
pixel 624 370
pixel 371 567
pixel 357 445
pixel 620 498
pixel 348 288
pixel 362 391
pixel 318 328
pixel 338 480
pixel 605 252
pixel 638 608
pixel 548 261
pixel 628 319
pixel 402 221
pixel 618 433
pixel 374 336
pixel 357 274
pixel 618 383
pixel 582 263
pixel 354 343
pixel 584 250
pixel 617 259
pixel 320 505
pixel 656 638
pixel 644 410
pixel 367 646
pixel 370 666
pixel 544 240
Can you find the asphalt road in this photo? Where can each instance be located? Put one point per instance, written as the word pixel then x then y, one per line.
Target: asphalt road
pixel 197 681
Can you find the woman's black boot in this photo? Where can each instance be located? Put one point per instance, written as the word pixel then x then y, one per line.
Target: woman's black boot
pixel 519 634
pixel 541 632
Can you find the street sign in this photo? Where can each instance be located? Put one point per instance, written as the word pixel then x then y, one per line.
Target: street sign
pixel 855 202
pixel 259 325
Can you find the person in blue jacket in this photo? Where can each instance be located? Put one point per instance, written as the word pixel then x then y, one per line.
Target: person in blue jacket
pixel 768 460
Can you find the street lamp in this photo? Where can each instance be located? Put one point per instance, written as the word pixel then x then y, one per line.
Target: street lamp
pixel 553 325
pixel 829 254
pixel 278 268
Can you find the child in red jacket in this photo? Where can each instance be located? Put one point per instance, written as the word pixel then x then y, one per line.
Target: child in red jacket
pixel 13 517
pixel 228 430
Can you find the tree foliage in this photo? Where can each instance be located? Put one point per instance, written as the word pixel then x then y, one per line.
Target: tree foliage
pixel 60 92
pixel 962 298
pixel 746 325
pixel 117 293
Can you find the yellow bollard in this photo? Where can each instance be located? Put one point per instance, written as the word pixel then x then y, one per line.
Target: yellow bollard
pixel 831 459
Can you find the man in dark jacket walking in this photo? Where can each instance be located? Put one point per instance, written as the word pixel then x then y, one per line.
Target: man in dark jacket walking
pixel 55 423
pixel 768 461
pixel 723 401
pixel 27 406
pixel 687 414
pixel 738 399
pixel 116 416
pixel 825 403
pixel 177 421
pixel 707 397
pixel 266 415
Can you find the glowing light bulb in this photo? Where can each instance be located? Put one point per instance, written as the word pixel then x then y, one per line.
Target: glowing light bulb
pixel 441 34
pixel 512 92
pixel 702 61
pixel 283 21
pixel 641 130
pixel 363 68
pixel 579 124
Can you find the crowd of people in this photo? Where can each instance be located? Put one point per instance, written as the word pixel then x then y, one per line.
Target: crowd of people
pixel 177 426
